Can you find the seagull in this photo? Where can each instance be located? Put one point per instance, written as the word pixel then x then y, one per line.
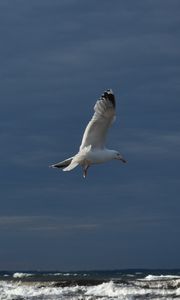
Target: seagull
pixel 92 149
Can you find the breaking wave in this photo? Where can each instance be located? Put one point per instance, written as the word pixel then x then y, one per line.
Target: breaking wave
pixel 96 286
pixel 161 277
pixel 21 275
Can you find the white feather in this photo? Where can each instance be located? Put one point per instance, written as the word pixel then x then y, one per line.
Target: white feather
pixel 96 130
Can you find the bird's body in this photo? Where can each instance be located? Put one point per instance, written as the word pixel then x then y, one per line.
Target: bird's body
pixel 92 149
pixel 98 156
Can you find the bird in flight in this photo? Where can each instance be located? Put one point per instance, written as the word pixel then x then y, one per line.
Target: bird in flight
pixel 92 149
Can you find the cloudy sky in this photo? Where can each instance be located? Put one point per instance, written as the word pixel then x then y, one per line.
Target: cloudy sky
pixel 56 58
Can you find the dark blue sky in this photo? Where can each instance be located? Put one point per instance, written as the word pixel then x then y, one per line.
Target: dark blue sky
pixel 56 59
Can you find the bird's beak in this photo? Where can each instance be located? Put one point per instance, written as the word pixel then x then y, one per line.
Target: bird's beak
pixel 123 160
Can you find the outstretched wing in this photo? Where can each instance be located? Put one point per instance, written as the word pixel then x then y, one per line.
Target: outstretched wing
pixel 96 131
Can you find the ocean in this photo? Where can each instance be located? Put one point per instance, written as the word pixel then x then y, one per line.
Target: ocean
pixel 90 285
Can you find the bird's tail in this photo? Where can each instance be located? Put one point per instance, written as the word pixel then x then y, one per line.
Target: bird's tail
pixel 71 166
pixel 78 159
pixel 62 164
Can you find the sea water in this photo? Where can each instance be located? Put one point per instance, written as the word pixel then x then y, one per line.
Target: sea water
pixel 102 285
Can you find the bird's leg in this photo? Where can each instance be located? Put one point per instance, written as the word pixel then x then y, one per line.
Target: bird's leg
pixel 85 168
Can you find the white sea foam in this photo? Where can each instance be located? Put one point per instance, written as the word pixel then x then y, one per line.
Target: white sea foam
pixel 21 275
pixel 161 277
pixel 119 291
pixel 70 274
pixel 105 291
pixel 13 291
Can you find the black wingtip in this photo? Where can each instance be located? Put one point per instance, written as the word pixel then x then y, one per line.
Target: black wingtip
pixel 108 94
